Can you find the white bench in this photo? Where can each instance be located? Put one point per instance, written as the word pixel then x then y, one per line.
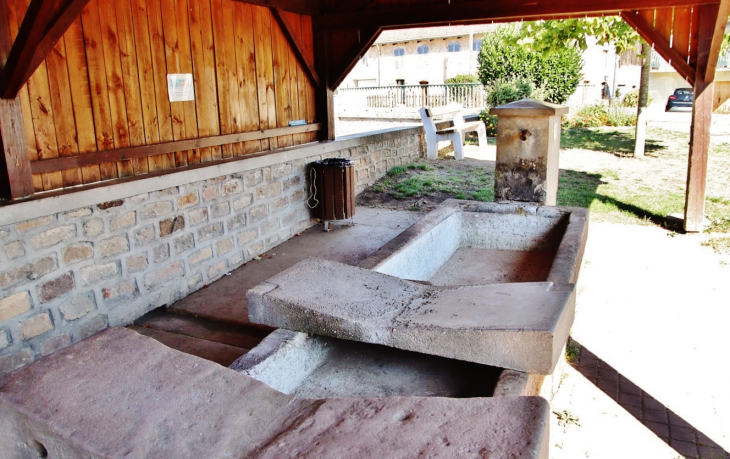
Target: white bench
pixel 456 134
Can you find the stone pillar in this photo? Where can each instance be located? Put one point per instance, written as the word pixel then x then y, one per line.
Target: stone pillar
pixel 528 145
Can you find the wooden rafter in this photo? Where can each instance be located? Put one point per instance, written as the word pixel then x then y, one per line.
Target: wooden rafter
pixel 296 44
pixel 44 24
pixel 661 44
pixel 478 12
pixel 308 7
pixel 340 71
pixel 706 65
pixel 353 5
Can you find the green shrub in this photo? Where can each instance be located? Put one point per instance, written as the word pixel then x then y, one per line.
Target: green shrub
pixel 460 79
pixel 490 121
pixel 631 99
pixel 501 59
pixel 599 115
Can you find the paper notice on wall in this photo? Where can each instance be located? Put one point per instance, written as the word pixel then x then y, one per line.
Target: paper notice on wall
pixel 180 87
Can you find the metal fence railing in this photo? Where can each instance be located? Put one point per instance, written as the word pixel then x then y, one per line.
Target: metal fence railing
pixel 470 95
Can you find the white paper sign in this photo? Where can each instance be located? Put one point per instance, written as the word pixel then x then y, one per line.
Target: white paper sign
pixel 180 87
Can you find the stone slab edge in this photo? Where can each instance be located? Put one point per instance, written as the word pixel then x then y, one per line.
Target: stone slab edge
pixel 121 394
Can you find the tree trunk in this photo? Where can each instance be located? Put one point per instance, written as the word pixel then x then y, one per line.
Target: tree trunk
pixel 643 100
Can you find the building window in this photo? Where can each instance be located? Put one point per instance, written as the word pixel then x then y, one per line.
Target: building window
pixel 477 45
pixel 423 49
pixel 399 52
pixel 454 47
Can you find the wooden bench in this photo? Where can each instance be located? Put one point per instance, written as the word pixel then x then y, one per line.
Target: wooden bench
pixel 456 134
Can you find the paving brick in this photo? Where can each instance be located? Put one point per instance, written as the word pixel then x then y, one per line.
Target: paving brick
pixel 56 288
pixel 256 249
pixel 122 292
pixel 137 263
pixel 291 182
pixel 270 226
pixel 91 327
pixel 245 237
pixel 210 193
pixel 218 269
pixel 187 200
pixel 83 212
pixel 161 253
pixel 200 255
pixel 239 221
pixel 53 236
pixel 231 187
pixel 14 305
pixel 35 326
pixel 127 220
pixel 183 243
pixel 195 280
pixel 219 210
pixel 155 209
pixel 159 277
pixel 171 225
pixel 279 203
pixel 198 216
pixel 254 178
pixel 110 204
pixel 14 250
pixel 4 233
pixel 54 344
pixel 93 227
pixel 298 195
pixel 144 235
pixel 258 213
pixel 113 246
pixel 77 252
pixel 139 198
pixel 224 246
pixel 96 273
pixel 268 191
pixel 78 306
pixel 210 231
pixel 4 339
pixel 35 223
pixel 243 202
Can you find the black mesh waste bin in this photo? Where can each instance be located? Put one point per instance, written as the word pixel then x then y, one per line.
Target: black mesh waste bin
pixel 335 189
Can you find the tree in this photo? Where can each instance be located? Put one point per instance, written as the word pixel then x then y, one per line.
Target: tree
pixel 502 59
pixel 549 37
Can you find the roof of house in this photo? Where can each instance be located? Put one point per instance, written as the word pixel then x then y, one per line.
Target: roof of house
pixel 425 33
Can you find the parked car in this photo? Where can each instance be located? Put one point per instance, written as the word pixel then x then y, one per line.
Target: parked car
pixel 682 97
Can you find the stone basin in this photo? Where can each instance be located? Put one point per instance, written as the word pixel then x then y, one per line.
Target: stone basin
pixel 452 285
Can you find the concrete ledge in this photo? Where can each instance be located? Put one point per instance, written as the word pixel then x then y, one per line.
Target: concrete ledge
pixel 121 394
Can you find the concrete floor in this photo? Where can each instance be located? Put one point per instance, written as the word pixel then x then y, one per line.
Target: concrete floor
pixel 652 315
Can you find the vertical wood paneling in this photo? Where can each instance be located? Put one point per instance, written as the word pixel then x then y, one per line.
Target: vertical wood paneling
pixel 265 73
pixel 663 24
pixel 63 110
pixel 14 21
pixel 103 126
pixel 246 62
pixel 81 96
pixel 281 80
pixel 203 72
pixel 130 76
pixel 112 62
pixel 159 72
pixel 694 35
pixel 104 85
pixel 682 23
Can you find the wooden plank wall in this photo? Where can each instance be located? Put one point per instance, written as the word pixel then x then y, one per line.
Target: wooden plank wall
pixel 104 85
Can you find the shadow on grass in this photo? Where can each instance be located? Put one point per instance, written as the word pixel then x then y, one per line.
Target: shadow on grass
pixel 616 142
pixel 579 189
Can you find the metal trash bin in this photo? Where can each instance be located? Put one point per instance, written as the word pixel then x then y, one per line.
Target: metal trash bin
pixel 333 192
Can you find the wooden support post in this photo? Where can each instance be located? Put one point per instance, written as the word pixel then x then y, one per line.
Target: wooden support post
pixel 699 140
pixel 15 177
pixel 324 94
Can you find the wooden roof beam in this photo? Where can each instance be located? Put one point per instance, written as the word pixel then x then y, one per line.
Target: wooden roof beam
pixel 296 44
pixel 481 11
pixel 367 38
pixel 661 44
pixel 44 24
pixel 307 7
pixel 707 61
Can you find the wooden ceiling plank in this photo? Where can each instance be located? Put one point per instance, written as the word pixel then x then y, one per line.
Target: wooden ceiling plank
pixel 353 5
pixel 682 25
pixel 661 45
pixel 476 12
pixel 296 45
pixel 694 37
pixel 348 62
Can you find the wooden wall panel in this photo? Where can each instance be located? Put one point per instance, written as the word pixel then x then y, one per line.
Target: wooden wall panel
pixel 104 85
pixel 681 34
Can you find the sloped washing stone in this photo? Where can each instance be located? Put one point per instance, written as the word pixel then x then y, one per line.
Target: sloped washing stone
pixel 520 326
pixel 119 394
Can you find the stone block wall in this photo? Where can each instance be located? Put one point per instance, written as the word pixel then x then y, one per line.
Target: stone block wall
pixel 74 264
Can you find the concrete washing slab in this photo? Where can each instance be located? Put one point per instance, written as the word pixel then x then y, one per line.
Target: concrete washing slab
pixel 463 247
pixel 120 394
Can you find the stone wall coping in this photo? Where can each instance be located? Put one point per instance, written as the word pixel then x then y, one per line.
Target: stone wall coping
pixel 68 199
